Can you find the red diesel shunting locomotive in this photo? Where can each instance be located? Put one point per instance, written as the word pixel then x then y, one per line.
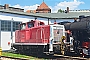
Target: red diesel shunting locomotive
pixel 35 36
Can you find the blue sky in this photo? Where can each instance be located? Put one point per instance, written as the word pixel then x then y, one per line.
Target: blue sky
pixel 53 4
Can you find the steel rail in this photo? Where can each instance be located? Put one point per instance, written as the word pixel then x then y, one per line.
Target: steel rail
pixel 14 58
pixel 71 57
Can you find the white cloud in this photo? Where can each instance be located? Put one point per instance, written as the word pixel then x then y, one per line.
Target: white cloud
pixel 33 7
pixel 62 5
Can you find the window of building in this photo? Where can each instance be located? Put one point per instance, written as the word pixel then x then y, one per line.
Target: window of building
pixel 31 11
pixel 37 12
pixel 6 25
pixel 15 25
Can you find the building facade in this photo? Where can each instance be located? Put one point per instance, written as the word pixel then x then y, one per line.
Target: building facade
pixel 7 7
pixel 43 8
pixel 68 10
pixel 83 10
pixel 79 10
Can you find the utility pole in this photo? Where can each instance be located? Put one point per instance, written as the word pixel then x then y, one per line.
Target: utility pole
pixel 0 33
pixel 12 32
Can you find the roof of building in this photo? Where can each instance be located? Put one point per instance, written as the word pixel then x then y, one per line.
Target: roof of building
pixel 31 11
pixel 70 15
pixel 43 6
pixel 6 6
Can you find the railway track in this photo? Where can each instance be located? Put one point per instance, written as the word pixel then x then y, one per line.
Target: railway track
pixel 61 57
pixel 47 57
pixel 55 57
pixel 11 58
pixel 70 57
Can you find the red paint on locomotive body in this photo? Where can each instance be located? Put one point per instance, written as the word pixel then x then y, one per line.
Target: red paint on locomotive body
pixel 86 45
pixel 38 33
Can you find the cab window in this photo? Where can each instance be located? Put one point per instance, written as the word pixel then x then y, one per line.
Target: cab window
pixel 30 25
pixel 41 23
pixel 22 26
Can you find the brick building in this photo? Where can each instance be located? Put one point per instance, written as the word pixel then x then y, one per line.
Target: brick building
pixel 6 6
pixel 31 11
pixel 43 8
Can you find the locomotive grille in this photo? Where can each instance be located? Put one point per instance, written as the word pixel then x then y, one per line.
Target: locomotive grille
pixel 58 33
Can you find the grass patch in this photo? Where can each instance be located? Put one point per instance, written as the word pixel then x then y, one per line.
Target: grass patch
pixel 19 56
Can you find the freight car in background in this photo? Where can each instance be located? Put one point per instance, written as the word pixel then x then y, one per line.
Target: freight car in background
pixel 67 38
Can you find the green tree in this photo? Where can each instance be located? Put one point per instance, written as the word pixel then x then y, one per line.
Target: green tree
pixel 60 11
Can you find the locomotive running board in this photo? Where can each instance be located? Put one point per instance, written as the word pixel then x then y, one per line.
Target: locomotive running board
pixel 29 43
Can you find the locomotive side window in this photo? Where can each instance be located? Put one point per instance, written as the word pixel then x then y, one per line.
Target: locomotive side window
pixel 22 26
pixel 30 25
pixel 41 23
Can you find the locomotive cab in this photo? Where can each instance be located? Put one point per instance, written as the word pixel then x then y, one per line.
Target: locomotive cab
pixel 24 34
pixel 31 24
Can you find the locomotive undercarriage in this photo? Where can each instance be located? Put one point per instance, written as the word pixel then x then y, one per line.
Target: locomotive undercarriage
pixel 41 50
pixel 31 49
pixel 37 49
